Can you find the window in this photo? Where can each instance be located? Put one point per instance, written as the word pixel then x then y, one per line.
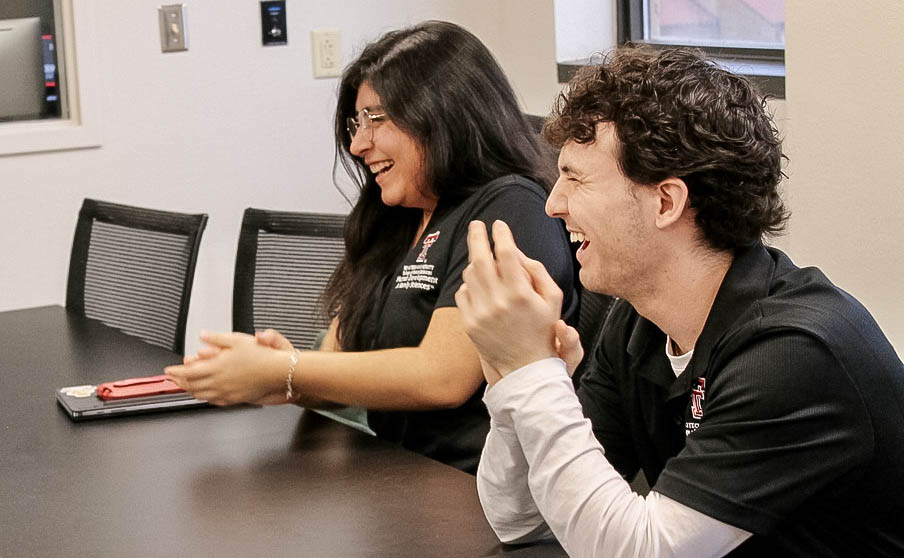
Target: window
pixel 746 36
pixel 46 74
pixel 29 72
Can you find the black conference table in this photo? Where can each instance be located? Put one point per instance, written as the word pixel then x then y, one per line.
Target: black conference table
pixel 239 481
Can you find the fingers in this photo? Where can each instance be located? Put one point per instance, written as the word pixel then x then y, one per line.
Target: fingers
pixel 208 352
pixel 204 353
pixel 515 266
pixel 509 322
pixel 221 340
pixel 463 298
pixel 273 339
pixel 195 380
pixel 484 277
pixel 478 242
pixel 508 256
pixel 177 375
pixel 541 281
pixel 568 345
pixel 480 275
pixel 188 374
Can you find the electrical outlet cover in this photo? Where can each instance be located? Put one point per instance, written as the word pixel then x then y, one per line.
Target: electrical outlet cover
pixel 326 51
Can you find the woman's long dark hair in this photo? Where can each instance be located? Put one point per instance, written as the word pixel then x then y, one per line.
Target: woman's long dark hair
pixel 440 85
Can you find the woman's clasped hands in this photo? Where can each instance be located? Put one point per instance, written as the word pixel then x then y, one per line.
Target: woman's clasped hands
pixel 236 368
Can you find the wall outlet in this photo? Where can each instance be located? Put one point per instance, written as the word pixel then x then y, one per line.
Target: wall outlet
pixel 173 33
pixel 326 51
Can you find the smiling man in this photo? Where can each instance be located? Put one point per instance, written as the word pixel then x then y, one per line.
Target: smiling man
pixel 763 404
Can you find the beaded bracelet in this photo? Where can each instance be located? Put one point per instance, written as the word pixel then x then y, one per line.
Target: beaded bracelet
pixel 293 362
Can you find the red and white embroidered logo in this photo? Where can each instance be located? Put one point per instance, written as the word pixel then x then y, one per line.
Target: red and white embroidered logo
pixel 698 394
pixel 428 242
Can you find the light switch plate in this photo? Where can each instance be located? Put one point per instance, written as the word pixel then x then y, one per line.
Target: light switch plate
pixel 173 30
pixel 274 30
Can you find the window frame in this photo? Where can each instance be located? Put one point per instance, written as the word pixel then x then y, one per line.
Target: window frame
pixel 630 28
pixel 629 23
pixel 81 128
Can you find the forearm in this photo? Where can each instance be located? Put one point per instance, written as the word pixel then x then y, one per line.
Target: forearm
pixel 404 378
pixel 503 491
pixel 587 504
pixel 441 373
pixel 329 343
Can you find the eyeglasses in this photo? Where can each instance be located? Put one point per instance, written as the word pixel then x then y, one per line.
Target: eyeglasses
pixel 364 120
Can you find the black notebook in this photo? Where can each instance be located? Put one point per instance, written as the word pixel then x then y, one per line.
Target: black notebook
pixel 82 403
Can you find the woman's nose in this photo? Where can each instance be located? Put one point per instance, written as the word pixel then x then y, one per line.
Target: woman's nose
pixel 361 142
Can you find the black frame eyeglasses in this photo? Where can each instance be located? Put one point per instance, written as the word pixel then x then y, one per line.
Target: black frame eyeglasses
pixel 364 120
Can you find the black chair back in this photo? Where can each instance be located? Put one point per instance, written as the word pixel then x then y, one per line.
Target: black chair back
pixel 132 268
pixel 283 264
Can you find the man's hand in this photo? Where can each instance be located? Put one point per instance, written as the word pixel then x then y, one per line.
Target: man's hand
pixel 509 303
pixel 568 345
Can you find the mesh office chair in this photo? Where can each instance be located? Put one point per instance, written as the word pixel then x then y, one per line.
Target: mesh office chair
pixel 283 264
pixel 132 269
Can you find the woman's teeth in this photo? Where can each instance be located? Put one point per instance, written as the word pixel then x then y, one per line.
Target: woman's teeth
pixel 382 166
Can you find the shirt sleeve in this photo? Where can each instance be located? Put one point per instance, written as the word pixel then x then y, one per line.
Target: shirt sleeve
pixel 539 236
pixel 502 487
pixel 585 502
pixel 782 420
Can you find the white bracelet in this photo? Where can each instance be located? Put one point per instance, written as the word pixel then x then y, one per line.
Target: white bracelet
pixel 293 362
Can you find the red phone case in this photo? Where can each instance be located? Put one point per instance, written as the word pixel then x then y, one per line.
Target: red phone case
pixel 137 387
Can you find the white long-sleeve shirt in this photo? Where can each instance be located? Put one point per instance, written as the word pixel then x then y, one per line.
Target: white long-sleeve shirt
pixel 542 470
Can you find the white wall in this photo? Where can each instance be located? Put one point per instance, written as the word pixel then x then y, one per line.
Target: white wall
pixel 226 125
pixel 583 28
pixel 230 124
pixel 845 128
pixel 520 33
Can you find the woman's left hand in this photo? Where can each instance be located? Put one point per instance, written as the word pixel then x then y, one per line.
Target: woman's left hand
pixel 234 368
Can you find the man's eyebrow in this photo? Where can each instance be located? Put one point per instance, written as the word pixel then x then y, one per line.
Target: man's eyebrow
pixel 569 170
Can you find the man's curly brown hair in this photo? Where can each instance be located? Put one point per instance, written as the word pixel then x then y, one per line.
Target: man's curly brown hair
pixel 677 114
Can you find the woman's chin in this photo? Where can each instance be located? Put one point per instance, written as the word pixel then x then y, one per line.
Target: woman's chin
pixel 390 200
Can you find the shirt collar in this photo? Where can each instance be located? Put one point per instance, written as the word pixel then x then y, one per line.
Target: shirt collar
pixel 748 280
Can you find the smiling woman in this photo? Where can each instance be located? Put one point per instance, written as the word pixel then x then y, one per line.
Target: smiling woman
pixel 394 157
pixel 429 128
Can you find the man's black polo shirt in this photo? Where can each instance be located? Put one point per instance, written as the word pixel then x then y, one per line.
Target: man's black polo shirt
pixel 788 421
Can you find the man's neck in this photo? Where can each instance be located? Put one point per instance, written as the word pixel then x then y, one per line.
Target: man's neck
pixel 683 294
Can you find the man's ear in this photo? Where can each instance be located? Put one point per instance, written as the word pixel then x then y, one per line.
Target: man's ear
pixel 673 202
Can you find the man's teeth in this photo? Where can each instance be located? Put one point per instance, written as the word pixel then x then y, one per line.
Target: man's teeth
pixel 576 236
pixel 377 168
